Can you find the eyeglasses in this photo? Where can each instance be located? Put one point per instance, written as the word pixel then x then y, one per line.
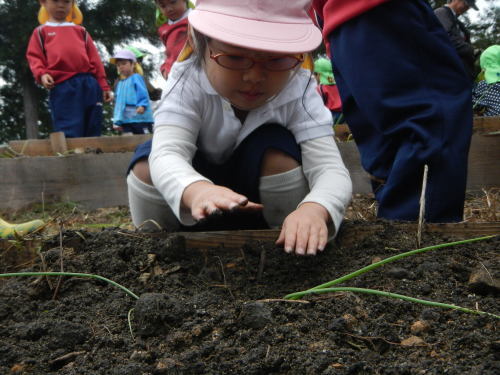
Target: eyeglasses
pixel 239 62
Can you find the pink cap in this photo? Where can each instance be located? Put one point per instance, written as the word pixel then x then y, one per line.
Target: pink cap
pixel 268 25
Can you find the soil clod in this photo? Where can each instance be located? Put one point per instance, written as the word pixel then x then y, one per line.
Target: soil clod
pixel 255 315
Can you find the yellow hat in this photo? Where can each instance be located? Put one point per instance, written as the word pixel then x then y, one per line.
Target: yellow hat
pixel 74 16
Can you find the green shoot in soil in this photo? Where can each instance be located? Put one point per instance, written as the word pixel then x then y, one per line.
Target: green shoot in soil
pixel 401 296
pixel 87 275
pixel 325 288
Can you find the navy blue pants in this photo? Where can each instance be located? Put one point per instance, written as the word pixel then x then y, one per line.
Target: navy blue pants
pixel 407 102
pixel 241 173
pixel 76 107
pixel 137 127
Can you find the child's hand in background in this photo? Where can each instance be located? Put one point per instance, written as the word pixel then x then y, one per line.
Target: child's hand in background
pixel 205 198
pixel 47 81
pixel 140 110
pixel 107 96
pixel 305 229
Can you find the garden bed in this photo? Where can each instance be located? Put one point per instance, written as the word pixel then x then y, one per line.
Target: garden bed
pixel 221 311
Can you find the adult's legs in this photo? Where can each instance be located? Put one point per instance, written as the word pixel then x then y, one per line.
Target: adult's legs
pixel 407 103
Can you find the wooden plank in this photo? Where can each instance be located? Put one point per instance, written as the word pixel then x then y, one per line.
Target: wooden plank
pixel 352 160
pixel 43 147
pixel 31 147
pixel 481 125
pixel 342 132
pixel 484 163
pixel 93 180
pixel 348 234
pixel 105 144
pixel 58 143
pixel 109 144
pixel 486 124
pixel 98 180
pixel 14 254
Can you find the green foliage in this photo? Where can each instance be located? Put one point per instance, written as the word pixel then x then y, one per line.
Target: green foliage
pixel 109 22
pixel 12 114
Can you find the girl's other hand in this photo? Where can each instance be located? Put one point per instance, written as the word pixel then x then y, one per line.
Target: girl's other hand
pixel 205 198
pixel 47 81
pixel 305 230
pixel 140 110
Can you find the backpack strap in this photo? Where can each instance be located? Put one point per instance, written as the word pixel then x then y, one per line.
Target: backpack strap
pixel 41 40
pixel 85 36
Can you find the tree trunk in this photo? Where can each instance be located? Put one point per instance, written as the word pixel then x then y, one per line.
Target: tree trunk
pixel 30 102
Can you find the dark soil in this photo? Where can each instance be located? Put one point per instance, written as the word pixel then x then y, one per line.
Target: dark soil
pixel 213 312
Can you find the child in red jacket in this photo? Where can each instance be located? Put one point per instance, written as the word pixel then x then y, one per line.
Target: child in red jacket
pixel 173 24
pixel 64 59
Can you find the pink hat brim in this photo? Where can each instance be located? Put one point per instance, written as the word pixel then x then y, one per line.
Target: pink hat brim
pixel 258 35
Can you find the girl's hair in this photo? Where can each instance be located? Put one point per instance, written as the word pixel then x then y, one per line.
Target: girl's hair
pixel 199 44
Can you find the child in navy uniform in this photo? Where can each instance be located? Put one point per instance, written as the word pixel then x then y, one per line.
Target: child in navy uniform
pixel 64 59
pixel 406 100
pixel 241 129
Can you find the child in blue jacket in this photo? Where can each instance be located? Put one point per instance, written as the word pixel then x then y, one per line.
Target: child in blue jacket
pixel 132 112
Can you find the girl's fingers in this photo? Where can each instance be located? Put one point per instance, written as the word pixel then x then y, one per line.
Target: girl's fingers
pixel 313 242
pixel 250 206
pixel 223 203
pixel 302 237
pixel 290 237
pixel 281 237
pixel 323 238
pixel 202 210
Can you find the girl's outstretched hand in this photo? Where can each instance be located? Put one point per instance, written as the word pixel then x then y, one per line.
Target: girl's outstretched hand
pixel 305 230
pixel 205 199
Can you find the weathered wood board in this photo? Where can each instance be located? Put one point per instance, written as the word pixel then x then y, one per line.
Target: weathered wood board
pixel 348 234
pixel 60 144
pixel 45 147
pixel 89 179
pixel 16 254
pixel 98 180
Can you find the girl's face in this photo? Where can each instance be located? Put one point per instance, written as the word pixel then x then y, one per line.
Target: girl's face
pixel 172 9
pixel 58 10
pixel 125 67
pixel 245 89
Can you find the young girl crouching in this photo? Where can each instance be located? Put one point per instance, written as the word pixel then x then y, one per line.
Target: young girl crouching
pixel 242 129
